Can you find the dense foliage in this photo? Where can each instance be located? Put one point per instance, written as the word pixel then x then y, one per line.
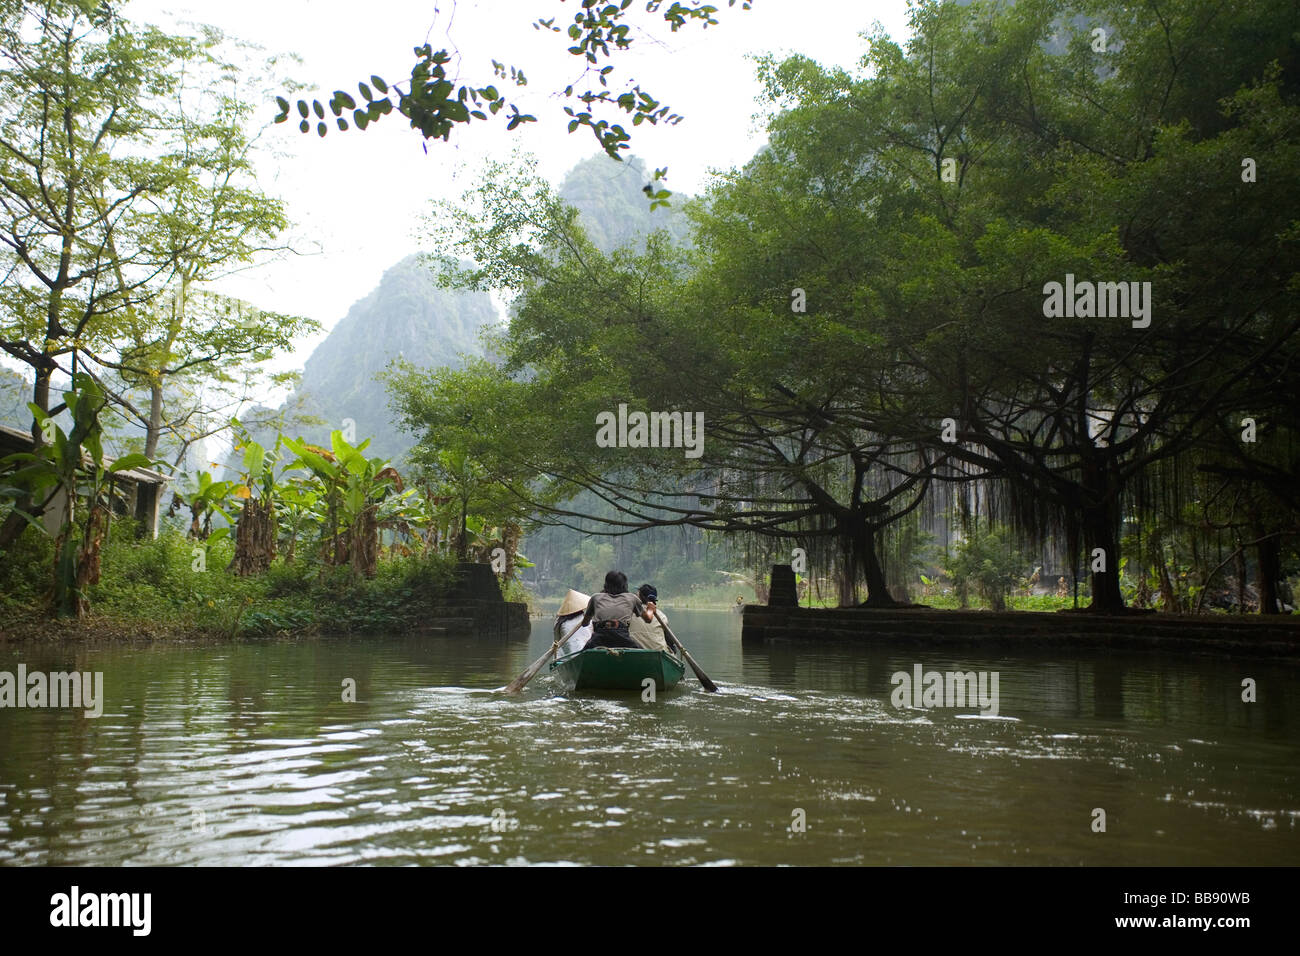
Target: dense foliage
pixel 150 589
pixel 866 316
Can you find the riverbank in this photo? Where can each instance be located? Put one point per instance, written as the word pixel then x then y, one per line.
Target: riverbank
pixel 160 591
pixel 1271 636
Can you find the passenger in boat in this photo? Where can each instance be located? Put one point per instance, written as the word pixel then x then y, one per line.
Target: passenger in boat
pixel 610 612
pixel 649 635
pixel 568 621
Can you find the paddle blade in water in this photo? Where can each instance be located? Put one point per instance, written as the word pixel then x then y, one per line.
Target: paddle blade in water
pixel 516 685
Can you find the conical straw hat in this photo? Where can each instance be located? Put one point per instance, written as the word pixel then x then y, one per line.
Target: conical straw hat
pixel 574 601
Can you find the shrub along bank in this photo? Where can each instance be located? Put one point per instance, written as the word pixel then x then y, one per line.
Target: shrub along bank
pixel 163 589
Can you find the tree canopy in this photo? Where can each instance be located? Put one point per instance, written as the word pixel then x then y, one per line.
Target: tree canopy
pixel 865 315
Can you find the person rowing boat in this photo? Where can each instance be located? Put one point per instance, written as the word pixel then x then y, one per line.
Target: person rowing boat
pixel 612 668
pixel 649 635
pixel 610 612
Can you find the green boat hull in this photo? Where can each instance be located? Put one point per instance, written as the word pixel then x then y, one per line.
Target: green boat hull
pixel 618 668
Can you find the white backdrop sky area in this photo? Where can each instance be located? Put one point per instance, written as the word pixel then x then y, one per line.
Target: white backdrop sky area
pixel 356 198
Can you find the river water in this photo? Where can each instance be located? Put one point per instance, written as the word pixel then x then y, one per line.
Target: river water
pixel 247 754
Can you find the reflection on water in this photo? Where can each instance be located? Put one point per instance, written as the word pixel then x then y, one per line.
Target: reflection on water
pixel 248 754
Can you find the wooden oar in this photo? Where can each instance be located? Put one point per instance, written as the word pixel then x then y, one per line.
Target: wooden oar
pixel 516 685
pixel 708 685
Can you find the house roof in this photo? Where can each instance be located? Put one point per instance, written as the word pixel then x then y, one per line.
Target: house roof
pixel 16 437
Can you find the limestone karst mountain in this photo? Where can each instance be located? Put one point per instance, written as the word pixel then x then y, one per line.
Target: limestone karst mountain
pixel 409 315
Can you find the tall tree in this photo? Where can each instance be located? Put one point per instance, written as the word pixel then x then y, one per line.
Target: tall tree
pixel 113 184
pixel 1026 145
pixel 792 446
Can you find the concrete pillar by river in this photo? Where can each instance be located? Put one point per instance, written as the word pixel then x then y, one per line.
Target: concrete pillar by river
pixel 783 592
pixel 476 582
pixel 472 605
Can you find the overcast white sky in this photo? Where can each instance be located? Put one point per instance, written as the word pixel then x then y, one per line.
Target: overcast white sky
pixel 358 197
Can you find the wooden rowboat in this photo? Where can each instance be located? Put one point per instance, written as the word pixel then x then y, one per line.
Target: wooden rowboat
pixel 607 668
pixel 619 668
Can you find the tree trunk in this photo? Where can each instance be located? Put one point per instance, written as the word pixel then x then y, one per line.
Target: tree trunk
pixel 88 560
pixel 364 541
pixel 155 420
pixel 1101 530
pixel 254 537
pixel 864 546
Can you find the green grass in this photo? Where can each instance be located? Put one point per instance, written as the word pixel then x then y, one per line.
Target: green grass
pixel 26 571
pixel 1036 602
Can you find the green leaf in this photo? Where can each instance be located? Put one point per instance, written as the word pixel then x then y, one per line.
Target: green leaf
pixel 339 445
pixel 35 477
pixel 36 523
pixel 127 462
pixel 254 459
pixel 379 84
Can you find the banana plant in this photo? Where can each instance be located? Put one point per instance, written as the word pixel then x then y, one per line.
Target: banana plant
pixel 259 478
pixel 206 497
pixel 299 507
pixel 59 472
pixel 256 530
pixel 410 520
pixel 322 465
pixel 359 494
